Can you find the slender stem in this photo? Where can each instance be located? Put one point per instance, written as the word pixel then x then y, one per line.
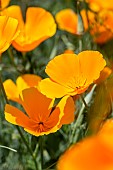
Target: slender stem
pixel 41 150
pixel 5 147
pixel 29 149
pixel 3 90
pixel 83 100
pixel 20 132
pixel 76 128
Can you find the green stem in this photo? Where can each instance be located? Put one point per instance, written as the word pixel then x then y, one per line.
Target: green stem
pixel 29 149
pixel 20 132
pixel 3 90
pixel 11 56
pixel 41 150
pixel 76 128
pixel 83 100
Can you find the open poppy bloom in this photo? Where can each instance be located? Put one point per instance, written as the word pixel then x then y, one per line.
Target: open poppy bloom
pixel 8 32
pixel 25 81
pixel 4 3
pixel 42 116
pixel 39 26
pixel 93 153
pixel 72 74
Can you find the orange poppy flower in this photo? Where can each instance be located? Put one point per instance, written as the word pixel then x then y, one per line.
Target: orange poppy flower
pixel 97 5
pixel 67 20
pixel 8 32
pixel 25 81
pixel 39 26
pixel 93 153
pixel 68 51
pixel 72 74
pixel 101 24
pixel 101 28
pixel 41 117
pixel 4 3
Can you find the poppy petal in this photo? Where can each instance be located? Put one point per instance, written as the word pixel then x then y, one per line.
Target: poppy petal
pixel 67 20
pixel 26 81
pixel 94 62
pixel 11 90
pixel 38 106
pixel 51 89
pixel 63 67
pixel 15 116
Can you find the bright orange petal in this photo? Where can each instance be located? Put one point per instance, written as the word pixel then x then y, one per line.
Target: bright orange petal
pixel 91 64
pixel 81 156
pixel 15 116
pixel 69 110
pixel 38 107
pixel 4 3
pixel 14 11
pixel 37 19
pixel 52 89
pixel 26 81
pixel 8 31
pixel 67 20
pixel 105 73
pixel 62 68
pixel 11 90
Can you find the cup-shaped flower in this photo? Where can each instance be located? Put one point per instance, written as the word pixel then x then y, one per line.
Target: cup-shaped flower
pixel 22 82
pixel 67 20
pixel 93 153
pixel 38 26
pixel 4 3
pixel 41 117
pixel 8 32
pixel 72 74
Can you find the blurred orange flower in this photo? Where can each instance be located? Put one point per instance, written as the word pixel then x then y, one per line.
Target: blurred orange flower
pixel 68 51
pixel 67 20
pixel 93 153
pixel 39 26
pixel 97 5
pixel 101 28
pixel 4 3
pixel 105 73
pixel 72 74
pixel 100 25
pixel 42 117
pixel 25 81
pixel 8 32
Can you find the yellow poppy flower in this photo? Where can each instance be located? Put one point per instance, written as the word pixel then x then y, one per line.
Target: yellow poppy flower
pixel 72 74
pixel 41 117
pixel 93 153
pixel 8 32
pixel 39 26
pixel 25 81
